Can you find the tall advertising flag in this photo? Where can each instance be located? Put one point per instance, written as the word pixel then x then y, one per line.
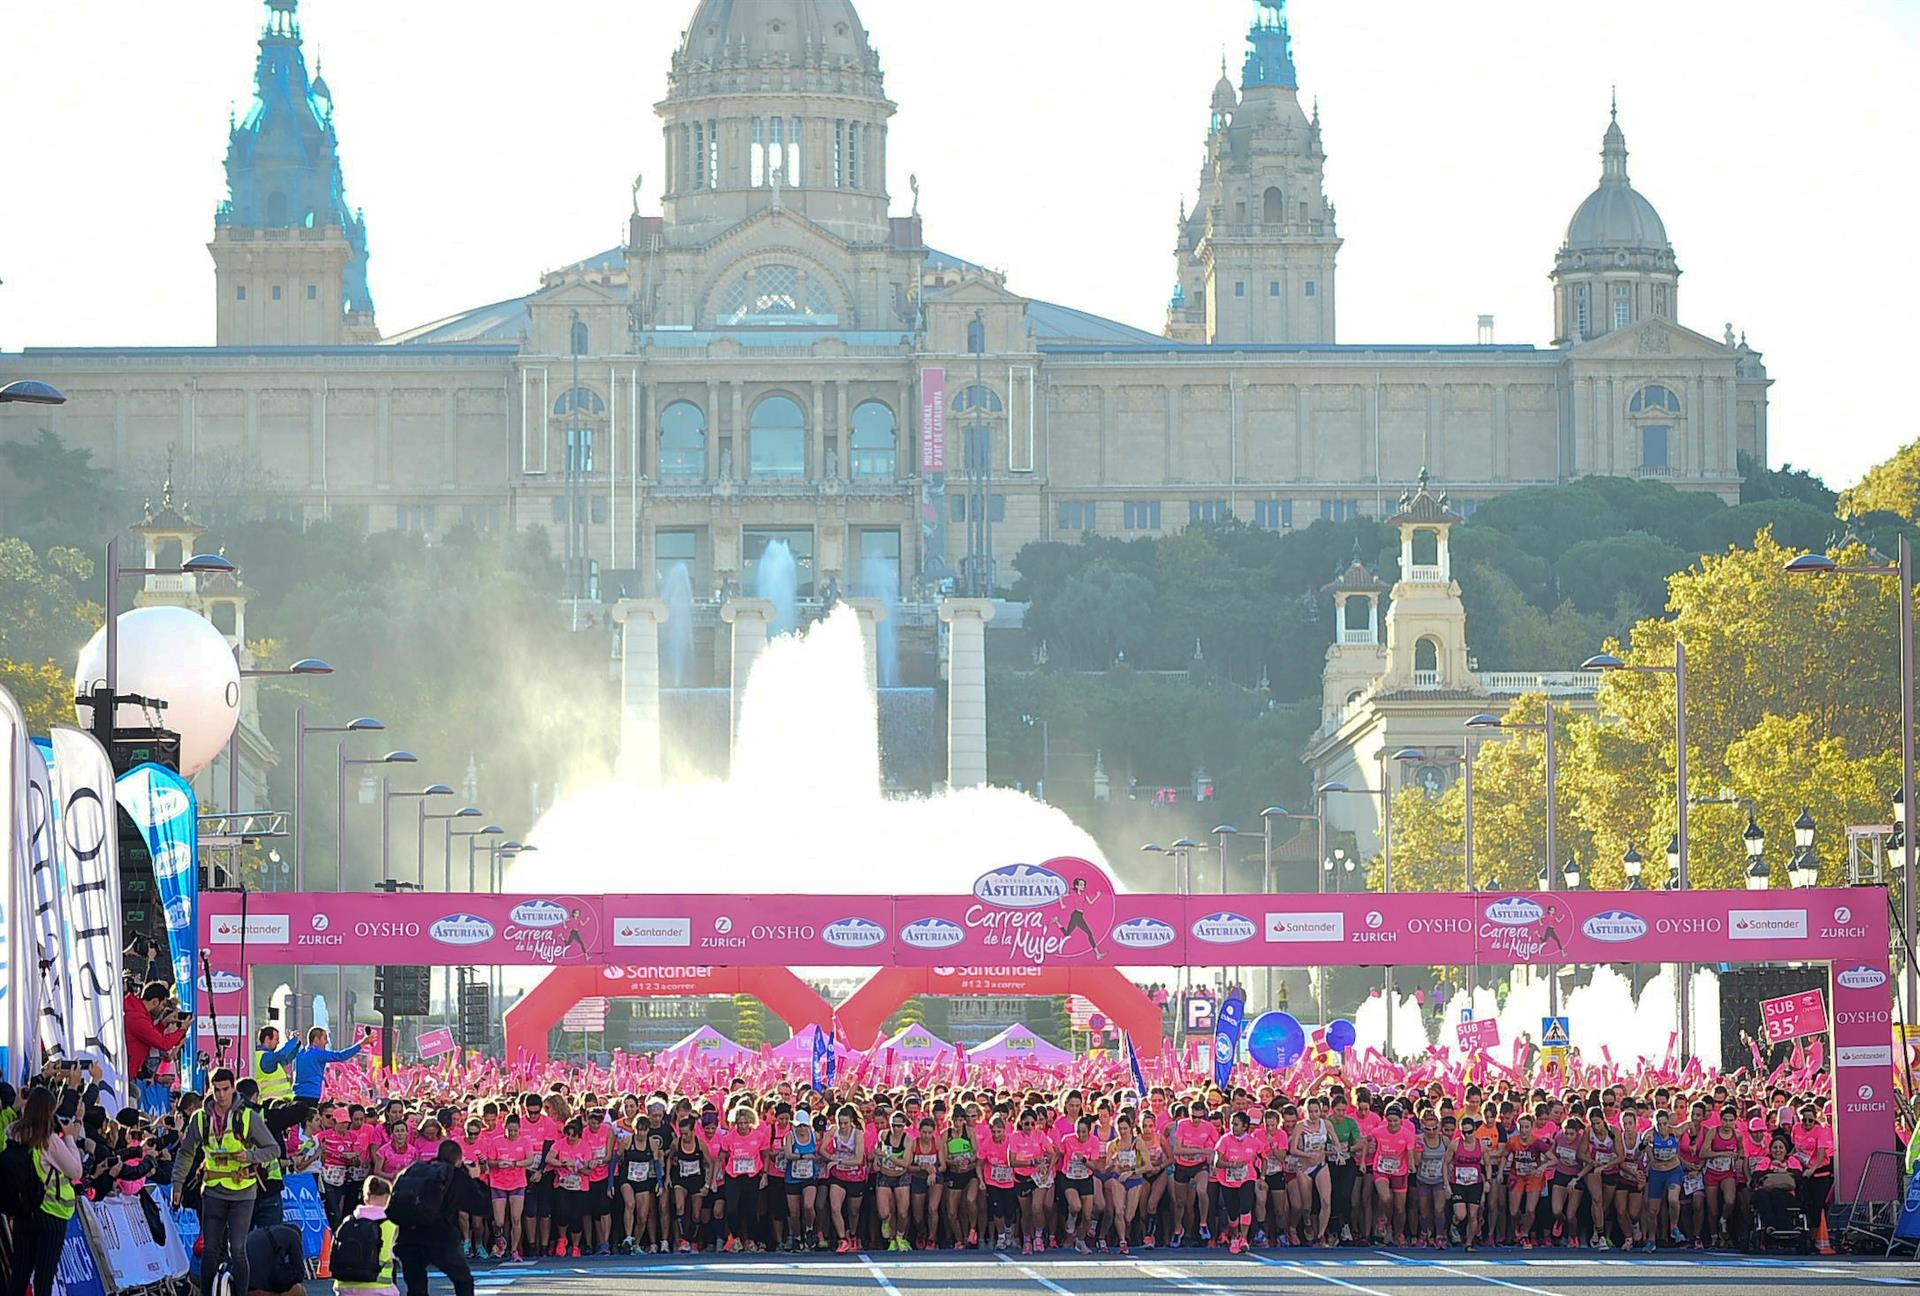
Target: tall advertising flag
pixel 39 891
pixel 1226 1037
pixel 162 806
pixel 83 791
pixel 1133 1059
pixel 821 1052
pixel 17 1047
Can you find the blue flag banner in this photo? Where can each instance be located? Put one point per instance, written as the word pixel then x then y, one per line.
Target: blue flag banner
pixel 1139 1076
pixel 1907 1227
pixel 822 1058
pixel 1226 1037
pixel 301 1206
pixel 162 806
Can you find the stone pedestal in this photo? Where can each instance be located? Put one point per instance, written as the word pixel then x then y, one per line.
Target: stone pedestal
pixel 749 619
pixel 872 612
pixel 966 690
pixel 640 621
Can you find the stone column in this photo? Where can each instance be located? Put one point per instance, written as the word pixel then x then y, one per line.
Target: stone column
pixel 966 690
pixel 640 621
pixel 872 612
pixel 749 619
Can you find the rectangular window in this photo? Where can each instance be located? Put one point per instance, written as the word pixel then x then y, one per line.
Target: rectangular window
pixel 1622 314
pixel 1313 289
pixel 1340 510
pixel 580 449
pixel 1653 447
pixel 713 154
pixel 995 507
pixel 1580 311
pixel 777 149
pixel 796 166
pixel 959 508
pixel 1078 515
pixel 276 292
pixel 1239 288
pixel 1466 507
pixel 417 518
pixel 1213 510
pixel 1273 288
pixel 484 518
pixel 1273 515
pixel 879 574
pixel 699 168
pixel 240 292
pixel 840 153
pixel 1142 515
pixel 599 508
pixel 754 542
pixel 853 155
pixel 559 508
pixel 293 513
pixel 676 549
pixel 757 156
pixel 313 292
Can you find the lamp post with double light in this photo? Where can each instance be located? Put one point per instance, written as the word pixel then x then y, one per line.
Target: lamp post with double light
pixel 340 822
pixel 1267 880
pixel 1804 870
pixel 365 724
pixel 446 844
pixel 105 696
pixel 1402 755
pixel 387 795
pixel 304 667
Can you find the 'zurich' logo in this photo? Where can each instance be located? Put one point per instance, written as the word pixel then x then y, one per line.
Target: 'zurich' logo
pixel 1861 977
pixel 1615 925
pixel 1143 933
pixel 1021 886
pixel 1224 928
pixel 539 913
pixel 853 933
pixel 932 933
pixel 1515 911
pixel 462 929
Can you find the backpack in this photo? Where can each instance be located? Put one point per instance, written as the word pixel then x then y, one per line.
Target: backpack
pixel 275 1258
pixel 356 1251
pixel 419 1196
pixel 21 1188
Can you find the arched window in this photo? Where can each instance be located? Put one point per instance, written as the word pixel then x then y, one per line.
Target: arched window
pixel 1273 209
pixel 778 447
pixel 875 441
pixel 977 400
pixel 1653 409
pixel 580 338
pixel 777 296
pixel 582 399
pixel 683 441
pixel 1426 661
pixel 1655 400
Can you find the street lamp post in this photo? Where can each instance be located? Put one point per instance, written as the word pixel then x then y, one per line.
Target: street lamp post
pixel 387 794
pixel 305 666
pixel 1902 570
pixel 1046 748
pixel 1221 832
pixel 470 834
pixel 301 729
pixel 446 846
pixel 1267 879
pixel 106 697
pixel 1385 793
pixel 340 830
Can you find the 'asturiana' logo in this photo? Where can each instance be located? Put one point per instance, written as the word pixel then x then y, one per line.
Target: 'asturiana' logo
pixel 1143 933
pixel 539 913
pixel 853 933
pixel 1861 977
pixel 228 983
pixel 1614 925
pixel 1021 886
pixel 933 933
pixel 1224 928
pixel 462 929
pixel 1515 911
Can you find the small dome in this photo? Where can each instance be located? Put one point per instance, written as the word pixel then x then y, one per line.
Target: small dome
pixel 1225 98
pixel 1616 215
pixel 796 32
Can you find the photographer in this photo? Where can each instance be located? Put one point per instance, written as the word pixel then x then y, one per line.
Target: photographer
pixel 151 1026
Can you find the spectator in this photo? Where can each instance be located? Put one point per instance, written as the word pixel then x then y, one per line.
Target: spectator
pixel 145 1034
pixel 426 1204
pixel 235 1141
pixel 39 1237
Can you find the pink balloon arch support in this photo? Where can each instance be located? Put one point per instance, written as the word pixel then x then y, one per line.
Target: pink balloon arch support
pixel 1062 922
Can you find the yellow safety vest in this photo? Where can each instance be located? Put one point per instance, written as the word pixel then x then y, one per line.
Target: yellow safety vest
pixel 227 1167
pixel 277 1083
pixel 58 1197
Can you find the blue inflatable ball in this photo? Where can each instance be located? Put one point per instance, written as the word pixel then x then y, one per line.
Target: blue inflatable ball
pixel 1340 1035
pixel 1276 1039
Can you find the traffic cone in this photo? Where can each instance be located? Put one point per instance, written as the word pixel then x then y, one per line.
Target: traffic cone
pixel 325 1268
pixel 1820 1242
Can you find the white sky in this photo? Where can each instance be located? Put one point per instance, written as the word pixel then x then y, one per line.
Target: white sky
pixel 1054 139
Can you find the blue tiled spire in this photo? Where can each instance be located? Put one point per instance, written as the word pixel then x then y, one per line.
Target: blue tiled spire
pixel 283 159
pixel 1269 53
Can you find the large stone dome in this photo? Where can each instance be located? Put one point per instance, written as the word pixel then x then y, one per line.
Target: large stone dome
pixel 1616 215
pixel 793 33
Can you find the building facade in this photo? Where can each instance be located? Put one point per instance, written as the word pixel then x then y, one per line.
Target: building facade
pixel 775 355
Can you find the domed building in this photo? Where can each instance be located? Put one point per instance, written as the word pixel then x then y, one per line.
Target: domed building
pixel 775 354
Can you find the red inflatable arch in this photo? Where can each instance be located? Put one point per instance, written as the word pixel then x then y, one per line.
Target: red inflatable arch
pixel 1124 1004
pixel 530 1022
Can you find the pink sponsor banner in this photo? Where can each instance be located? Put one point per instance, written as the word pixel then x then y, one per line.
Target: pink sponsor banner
pixel 1349 930
pixel 435 1043
pixel 751 931
pixel 1481 1034
pixel 1794 1015
pixel 1061 912
pixel 933 420
pixel 436 928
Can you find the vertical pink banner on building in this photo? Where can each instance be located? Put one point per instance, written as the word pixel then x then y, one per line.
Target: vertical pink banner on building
pixel 933 420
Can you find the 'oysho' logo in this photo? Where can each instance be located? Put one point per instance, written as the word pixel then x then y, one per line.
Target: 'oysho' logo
pixel 1224 928
pixel 933 933
pixel 539 913
pixel 853 933
pixel 1021 886
pixel 1143 933
pixel 1614 925
pixel 1861 977
pixel 462 929
pixel 1515 911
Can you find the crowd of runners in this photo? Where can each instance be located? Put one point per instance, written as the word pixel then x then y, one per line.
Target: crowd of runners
pixel 555 1168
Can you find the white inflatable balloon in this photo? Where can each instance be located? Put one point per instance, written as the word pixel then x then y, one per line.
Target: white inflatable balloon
pixel 177 656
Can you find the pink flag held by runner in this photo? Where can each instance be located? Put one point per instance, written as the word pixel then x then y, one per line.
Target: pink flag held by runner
pixel 435 1043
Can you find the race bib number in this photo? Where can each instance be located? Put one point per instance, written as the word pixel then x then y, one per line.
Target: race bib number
pixel 1077 1169
pixel 1720 1164
pixel 691 1169
pixel 570 1183
pixel 800 1168
pixel 1691 1184
pixel 639 1171
pixel 333 1174
pixel 1466 1174
pixel 927 1162
pixel 1000 1176
pixel 1388 1165
pixel 741 1167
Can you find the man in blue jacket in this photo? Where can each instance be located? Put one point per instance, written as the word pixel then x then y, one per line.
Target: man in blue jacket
pixel 310 1070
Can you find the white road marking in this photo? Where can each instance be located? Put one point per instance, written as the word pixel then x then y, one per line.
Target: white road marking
pixel 879 1275
pixel 1294 1266
pixel 1418 1262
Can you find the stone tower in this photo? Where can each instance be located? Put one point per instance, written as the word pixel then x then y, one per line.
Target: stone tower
pixel 1427 622
pixel 1356 657
pixel 1254 259
pixel 1616 267
pixel 289 255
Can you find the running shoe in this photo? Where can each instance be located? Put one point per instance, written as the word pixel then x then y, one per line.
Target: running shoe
pixel 1026 1248
pixel 1260 1238
pixel 1648 1246
pixel 1600 1242
pixel 686 1247
pixel 1124 1249
pixel 973 1237
pixel 1178 1240
pixel 1102 1248
pixel 1526 1244
pixel 1080 1245
pixel 1206 1235
pixel 1677 1237
pixel 1558 1228
pixel 1146 1242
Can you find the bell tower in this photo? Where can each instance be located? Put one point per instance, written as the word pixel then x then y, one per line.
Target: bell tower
pixel 1427 622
